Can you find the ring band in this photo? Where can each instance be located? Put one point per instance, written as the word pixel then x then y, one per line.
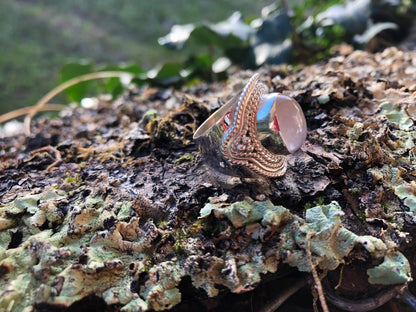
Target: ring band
pixel 252 132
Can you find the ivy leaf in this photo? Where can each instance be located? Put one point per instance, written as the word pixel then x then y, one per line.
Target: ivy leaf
pixel 271 43
pixel 204 35
pixel 221 65
pixel 114 85
pixel 198 66
pixel 234 26
pixel 274 28
pixel 241 55
pixel 232 32
pixel 353 15
pixel 373 30
pixel 177 37
pixel 71 70
pixel 273 53
pixel 167 74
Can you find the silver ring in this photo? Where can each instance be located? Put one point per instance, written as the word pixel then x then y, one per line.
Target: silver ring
pixel 251 134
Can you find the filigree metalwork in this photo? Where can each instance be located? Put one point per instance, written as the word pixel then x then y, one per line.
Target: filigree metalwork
pixel 240 144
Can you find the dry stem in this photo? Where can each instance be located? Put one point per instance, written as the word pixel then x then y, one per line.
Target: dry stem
pixel 315 274
pixel 51 94
pixel 25 110
pixel 58 158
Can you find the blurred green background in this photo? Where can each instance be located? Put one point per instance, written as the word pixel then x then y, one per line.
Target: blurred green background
pixel 37 37
pixel 46 42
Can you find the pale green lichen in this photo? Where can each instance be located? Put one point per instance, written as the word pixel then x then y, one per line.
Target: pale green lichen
pixel 249 211
pixel 407 192
pixel 323 99
pixel 14 292
pixel 88 257
pixel 136 305
pixel 40 208
pixel 124 210
pixel 356 131
pixel 395 269
pixel 51 257
pixel 404 190
pixel 160 289
pixel 149 115
pixel 117 295
pixel 396 115
pixel 329 240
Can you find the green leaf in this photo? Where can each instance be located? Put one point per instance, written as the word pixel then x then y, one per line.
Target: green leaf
pixel 229 33
pixel 234 26
pixel 132 68
pixel 71 70
pixel 221 65
pixel 204 35
pixel 373 30
pixel 273 53
pixel 177 37
pixel 271 43
pixel 274 28
pixel 353 15
pixel 198 66
pixel 168 74
pixel 114 85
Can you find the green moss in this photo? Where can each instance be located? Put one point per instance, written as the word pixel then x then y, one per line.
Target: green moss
pixel 180 236
pixel 162 224
pixel 149 115
pixel 178 246
pixel 356 191
pixel 362 216
pixel 75 179
pixel 184 158
pixel 318 202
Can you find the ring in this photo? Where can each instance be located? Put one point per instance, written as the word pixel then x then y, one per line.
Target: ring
pixel 252 133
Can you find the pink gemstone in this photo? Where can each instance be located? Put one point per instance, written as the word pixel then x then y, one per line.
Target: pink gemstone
pixel 280 118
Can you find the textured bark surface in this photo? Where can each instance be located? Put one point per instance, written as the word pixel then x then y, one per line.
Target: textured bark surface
pixel 115 222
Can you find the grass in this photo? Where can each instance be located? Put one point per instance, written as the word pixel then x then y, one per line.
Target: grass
pixel 39 37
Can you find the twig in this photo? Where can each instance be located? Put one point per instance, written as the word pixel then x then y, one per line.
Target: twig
pixel 340 278
pixel 286 294
pixel 58 158
pixel 25 110
pixel 315 274
pixel 367 304
pixel 51 94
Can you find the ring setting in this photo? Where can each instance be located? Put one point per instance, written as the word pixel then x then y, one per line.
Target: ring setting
pixel 252 133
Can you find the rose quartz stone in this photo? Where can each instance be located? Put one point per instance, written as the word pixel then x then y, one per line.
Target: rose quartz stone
pixel 283 116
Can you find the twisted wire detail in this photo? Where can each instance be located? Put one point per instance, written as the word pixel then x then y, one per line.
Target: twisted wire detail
pixel 240 145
